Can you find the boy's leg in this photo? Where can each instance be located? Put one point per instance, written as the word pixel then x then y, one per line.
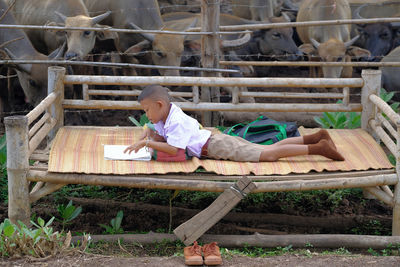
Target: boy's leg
pixel 323 148
pixel 308 139
pixel 316 137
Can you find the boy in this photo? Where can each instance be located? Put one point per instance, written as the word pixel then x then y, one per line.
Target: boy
pixel 177 132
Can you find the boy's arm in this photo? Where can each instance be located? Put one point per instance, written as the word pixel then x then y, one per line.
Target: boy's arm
pixel 159 146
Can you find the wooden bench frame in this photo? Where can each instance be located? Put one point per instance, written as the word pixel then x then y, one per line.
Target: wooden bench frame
pixel 26 133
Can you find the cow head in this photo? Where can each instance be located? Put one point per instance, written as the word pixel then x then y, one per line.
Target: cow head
pixel 334 50
pixel 278 42
pixel 33 77
pixel 80 43
pixel 378 38
pixel 167 49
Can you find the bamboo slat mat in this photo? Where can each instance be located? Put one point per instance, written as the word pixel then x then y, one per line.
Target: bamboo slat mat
pixel 81 150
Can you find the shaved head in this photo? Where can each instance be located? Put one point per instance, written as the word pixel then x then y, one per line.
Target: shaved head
pixel 154 92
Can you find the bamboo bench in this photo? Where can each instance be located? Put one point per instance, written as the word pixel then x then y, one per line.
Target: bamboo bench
pixel 26 133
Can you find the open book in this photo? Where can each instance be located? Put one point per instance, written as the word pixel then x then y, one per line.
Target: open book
pixel 116 152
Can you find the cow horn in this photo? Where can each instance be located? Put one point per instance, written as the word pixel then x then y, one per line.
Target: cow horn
pixel 357 11
pixel 59 52
pixel 315 42
pixel 236 44
pixel 147 36
pixel 192 25
pixel 62 17
pixel 99 18
pixel 351 42
pixel 23 67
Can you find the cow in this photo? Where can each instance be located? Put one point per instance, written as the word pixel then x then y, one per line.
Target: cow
pixel 390 75
pixel 69 13
pixel 166 49
pixel 260 10
pixel 331 43
pixel 378 38
pixel 32 77
pixel 275 43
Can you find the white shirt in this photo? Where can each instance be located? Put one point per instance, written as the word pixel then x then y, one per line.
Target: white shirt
pixel 182 131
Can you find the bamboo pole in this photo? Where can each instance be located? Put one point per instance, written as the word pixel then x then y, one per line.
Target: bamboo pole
pixel 39 109
pixel 108 64
pixel 39 124
pixel 41 135
pixel 210 56
pixel 215 81
pixel 381 195
pixel 55 84
pixel 384 137
pixel 346 96
pixel 85 92
pixel 256 107
pixel 260 26
pixel 385 108
pixel 37 186
pixel 387 190
pixel 309 64
pixel 110 29
pixel 209 186
pixel 372 83
pixel 17 168
pixel 290 95
pixel 387 124
pixel 48 188
pixel 264 241
pixel 133 93
pixel 396 209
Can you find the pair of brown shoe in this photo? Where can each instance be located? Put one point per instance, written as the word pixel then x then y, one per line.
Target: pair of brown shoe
pixel 193 254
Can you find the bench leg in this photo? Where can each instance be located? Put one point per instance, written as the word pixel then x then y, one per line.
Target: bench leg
pixel 17 167
pixel 396 211
pixel 191 230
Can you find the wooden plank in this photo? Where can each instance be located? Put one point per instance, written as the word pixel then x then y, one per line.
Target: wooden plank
pixel 200 223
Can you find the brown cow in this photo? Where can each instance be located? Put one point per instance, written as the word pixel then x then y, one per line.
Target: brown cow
pixel 331 43
pixel 32 77
pixel 69 13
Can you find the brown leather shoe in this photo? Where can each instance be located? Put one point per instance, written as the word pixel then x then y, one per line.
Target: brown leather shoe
pixel 211 253
pixel 193 254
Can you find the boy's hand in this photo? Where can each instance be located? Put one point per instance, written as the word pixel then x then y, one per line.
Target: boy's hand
pixel 135 147
pixel 147 133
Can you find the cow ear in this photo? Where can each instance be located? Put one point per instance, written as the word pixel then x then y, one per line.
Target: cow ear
pixel 193 45
pixel 143 45
pixel 308 49
pixel 105 35
pixel 358 52
pixel 52 23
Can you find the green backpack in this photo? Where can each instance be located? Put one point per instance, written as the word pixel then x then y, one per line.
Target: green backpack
pixel 264 131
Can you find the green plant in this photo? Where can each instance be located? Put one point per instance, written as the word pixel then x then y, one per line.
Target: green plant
pixel 339 120
pixel 3 169
pixel 115 223
pixel 387 97
pixel 20 240
pixel 68 213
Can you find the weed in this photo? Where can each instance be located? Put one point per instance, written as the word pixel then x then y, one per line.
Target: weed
pixel 373 227
pixel 68 213
pixel 3 170
pixel 115 223
pixel 19 240
pixel 339 120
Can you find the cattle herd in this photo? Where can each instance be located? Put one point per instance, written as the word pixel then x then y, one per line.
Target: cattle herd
pixel 333 43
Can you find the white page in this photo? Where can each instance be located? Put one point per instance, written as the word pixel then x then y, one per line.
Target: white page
pixel 116 152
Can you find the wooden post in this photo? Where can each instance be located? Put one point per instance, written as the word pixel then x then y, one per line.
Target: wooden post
pixel 396 197
pixel 210 54
pixel 191 230
pixel 17 168
pixel 372 85
pixel 56 84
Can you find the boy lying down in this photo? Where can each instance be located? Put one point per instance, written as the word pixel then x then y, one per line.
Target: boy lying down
pixel 175 132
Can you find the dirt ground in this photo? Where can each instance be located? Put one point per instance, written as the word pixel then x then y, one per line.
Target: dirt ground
pixel 239 261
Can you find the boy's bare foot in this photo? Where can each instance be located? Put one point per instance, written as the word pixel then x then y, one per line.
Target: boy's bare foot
pixel 325 148
pixel 318 136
